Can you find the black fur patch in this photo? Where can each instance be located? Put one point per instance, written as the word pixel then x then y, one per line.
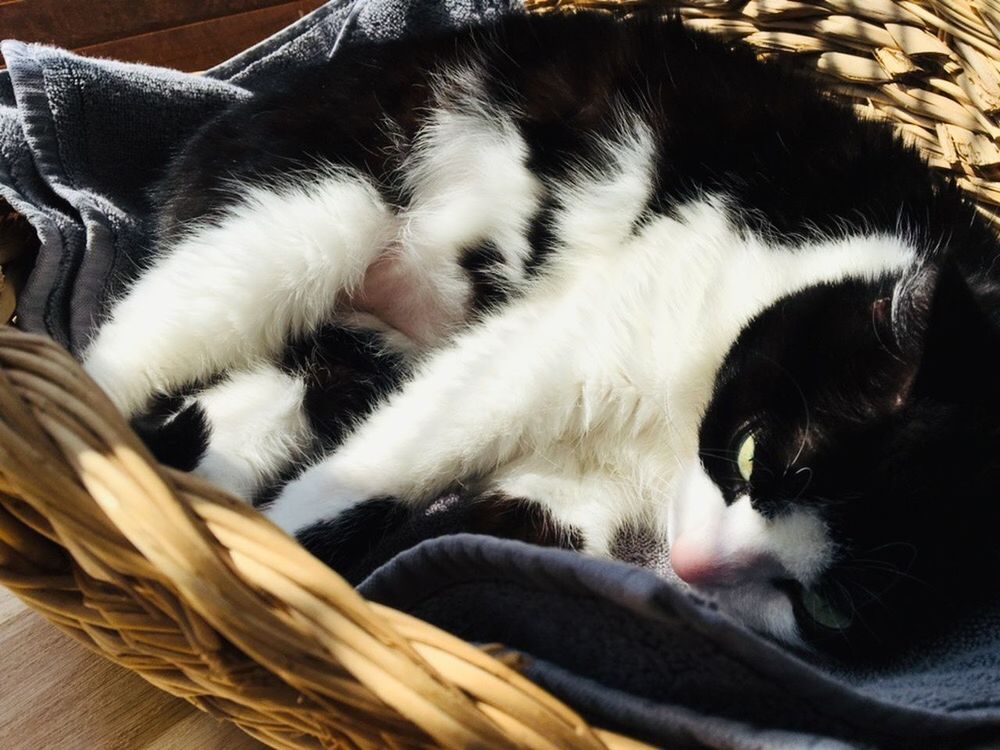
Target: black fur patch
pixel 346 371
pixel 892 437
pixel 368 535
pixel 791 162
pixel 349 542
pixel 176 435
pixel 483 263
pixel 541 236
pixel 496 514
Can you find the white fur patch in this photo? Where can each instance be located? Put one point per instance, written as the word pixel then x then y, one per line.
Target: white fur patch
pixel 258 428
pixel 798 540
pixel 469 182
pixel 309 499
pixel 231 292
pixel 600 205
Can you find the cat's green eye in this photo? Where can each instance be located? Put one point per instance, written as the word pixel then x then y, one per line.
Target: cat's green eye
pixel 744 457
pixel 823 612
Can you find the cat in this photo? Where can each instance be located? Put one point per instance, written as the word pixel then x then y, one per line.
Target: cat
pixel 616 269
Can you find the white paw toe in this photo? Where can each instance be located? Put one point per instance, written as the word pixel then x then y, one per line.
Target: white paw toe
pixel 311 498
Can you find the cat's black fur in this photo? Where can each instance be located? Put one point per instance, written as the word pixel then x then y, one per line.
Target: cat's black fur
pixel 902 452
pixel 899 446
pixel 794 162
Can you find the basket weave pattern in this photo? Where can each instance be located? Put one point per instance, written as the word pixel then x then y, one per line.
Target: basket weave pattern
pixel 205 598
pixel 932 68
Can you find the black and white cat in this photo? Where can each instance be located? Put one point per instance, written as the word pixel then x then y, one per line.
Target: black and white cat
pixel 613 268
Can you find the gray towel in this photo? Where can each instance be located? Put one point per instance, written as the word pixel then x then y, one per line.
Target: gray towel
pixel 82 140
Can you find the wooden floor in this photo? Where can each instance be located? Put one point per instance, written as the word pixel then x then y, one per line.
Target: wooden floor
pixel 57 695
pixel 182 34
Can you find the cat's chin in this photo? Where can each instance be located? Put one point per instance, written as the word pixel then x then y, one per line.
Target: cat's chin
pixel 760 606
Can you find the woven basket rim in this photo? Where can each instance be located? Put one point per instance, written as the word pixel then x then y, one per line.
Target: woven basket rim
pixel 75 479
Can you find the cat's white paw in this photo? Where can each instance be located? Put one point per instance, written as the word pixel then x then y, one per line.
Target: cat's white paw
pixel 313 497
pixel 117 379
pixel 234 476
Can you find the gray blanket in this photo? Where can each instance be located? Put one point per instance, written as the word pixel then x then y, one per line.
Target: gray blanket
pixel 80 143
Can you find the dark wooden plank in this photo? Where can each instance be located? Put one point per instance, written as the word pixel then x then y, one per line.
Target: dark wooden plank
pixel 200 45
pixel 79 23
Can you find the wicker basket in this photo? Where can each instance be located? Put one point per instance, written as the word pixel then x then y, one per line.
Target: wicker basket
pixel 205 598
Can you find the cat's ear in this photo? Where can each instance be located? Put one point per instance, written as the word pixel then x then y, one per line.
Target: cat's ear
pixel 948 342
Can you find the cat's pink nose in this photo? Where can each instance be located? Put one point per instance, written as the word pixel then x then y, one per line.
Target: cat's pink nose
pixel 695 564
pixel 699 565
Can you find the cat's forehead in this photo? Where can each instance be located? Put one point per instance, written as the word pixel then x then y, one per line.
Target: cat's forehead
pixel 820 348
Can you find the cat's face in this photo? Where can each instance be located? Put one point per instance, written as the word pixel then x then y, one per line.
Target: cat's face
pixel 849 464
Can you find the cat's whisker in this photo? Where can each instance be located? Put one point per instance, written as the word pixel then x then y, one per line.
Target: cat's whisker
pixel 889 545
pixel 883 566
pixel 802 490
pixel 721 456
pixel 887 571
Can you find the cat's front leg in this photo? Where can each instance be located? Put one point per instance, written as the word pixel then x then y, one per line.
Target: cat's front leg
pixel 230 292
pixel 476 405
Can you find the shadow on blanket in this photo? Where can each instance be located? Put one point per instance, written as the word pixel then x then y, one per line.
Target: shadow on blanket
pixel 81 141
